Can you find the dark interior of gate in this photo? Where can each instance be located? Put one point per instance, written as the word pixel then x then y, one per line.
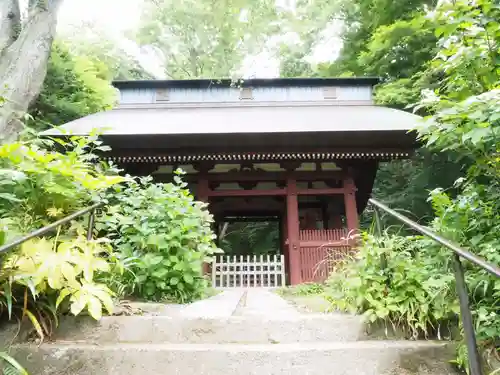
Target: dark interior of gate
pixel 302 153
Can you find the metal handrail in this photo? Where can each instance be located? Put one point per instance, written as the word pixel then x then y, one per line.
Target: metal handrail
pixel 52 227
pixel 463 296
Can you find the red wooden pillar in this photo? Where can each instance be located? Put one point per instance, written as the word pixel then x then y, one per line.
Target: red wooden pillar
pixel 292 214
pixel 351 211
pixel 284 242
pixel 202 192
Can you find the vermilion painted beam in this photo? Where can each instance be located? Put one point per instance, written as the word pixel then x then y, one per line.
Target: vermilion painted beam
pixel 246 219
pixel 273 192
pixel 324 191
pixel 240 205
pixel 259 176
pixel 246 193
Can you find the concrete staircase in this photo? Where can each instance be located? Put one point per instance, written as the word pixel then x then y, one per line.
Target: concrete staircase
pixel 236 332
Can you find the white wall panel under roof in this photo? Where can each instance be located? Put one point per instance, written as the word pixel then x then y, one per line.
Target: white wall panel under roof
pixel 230 94
pixel 137 96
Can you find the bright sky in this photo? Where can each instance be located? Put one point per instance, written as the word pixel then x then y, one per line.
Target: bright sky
pixel 116 16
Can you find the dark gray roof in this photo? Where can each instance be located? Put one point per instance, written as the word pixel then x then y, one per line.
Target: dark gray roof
pixel 262 82
pixel 241 120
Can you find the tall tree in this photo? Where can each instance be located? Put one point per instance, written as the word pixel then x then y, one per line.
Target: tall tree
pixel 24 52
pixel 207 38
pixel 362 19
pixel 395 40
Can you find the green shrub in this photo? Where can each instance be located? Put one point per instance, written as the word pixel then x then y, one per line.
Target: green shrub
pixel 39 186
pixel 164 234
pixel 408 282
pixel 390 280
pixel 47 276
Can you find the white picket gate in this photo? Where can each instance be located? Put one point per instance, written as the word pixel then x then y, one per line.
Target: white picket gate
pixel 248 271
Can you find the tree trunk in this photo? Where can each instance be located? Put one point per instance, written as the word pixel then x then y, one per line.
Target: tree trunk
pixel 23 66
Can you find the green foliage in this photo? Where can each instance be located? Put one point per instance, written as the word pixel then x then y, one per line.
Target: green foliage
pixel 255 238
pixel 306 289
pixel 399 49
pixel 393 279
pixel 464 125
pixel 393 186
pixel 10 366
pixel 381 31
pixel 92 41
pixel 46 276
pixel 39 185
pixel 472 219
pixel 397 42
pixel 75 86
pixel 166 234
pixel 204 38
pixel 56 270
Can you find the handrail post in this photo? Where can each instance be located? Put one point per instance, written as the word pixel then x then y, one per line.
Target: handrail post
pixel 90 228
pixel 470 335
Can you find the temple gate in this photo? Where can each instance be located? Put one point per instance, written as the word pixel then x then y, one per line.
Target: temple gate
pixel 303 151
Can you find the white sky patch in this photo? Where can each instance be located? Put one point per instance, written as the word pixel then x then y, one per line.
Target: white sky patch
pixel 328 48
pixel 115 15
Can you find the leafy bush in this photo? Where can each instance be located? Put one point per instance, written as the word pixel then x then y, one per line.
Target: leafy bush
pixel 38 186
pixel 164 234
pixel 472 219
pixel 58 270
pixel 408 282
pixel 392 280
pixel 40 277
pixel 465 121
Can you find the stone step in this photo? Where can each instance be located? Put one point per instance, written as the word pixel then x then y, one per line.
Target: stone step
pixel 235 329
pixel 352 358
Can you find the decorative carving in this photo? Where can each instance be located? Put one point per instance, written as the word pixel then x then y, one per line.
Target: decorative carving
pixel 203 166
pixel 290 166
pixel 247 185
pixel 139 169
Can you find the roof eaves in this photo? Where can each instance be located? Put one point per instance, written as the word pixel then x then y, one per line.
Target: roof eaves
pixel 267 82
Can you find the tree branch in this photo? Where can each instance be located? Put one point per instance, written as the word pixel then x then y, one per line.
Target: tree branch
pixel 10 23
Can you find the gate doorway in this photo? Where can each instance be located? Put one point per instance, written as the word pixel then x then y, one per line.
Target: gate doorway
pixel 253 255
